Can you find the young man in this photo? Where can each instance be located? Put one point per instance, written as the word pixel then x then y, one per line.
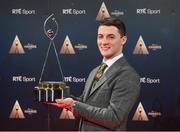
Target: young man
pixel 107 98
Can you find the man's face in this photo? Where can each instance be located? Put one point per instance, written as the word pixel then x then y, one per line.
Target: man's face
pixel 110 42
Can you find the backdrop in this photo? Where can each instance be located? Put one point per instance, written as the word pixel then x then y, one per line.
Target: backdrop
pixel 152 49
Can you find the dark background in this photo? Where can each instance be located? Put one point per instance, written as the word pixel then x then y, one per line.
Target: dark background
pixel 163 64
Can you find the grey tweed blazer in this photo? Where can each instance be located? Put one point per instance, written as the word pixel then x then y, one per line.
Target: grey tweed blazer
pixel 107 106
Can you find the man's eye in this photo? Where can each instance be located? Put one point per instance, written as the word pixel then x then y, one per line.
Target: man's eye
pixel 100 36
pixel 111 37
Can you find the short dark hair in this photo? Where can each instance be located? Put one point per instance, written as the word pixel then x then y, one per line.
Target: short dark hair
pixel 113 21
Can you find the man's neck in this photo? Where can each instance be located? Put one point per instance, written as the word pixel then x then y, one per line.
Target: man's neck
pixel 109 62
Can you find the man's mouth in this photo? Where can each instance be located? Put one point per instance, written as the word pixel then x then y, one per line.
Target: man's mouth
pixel 105 48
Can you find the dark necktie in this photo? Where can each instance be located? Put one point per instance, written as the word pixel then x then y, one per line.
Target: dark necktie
pixel 100 71
pixel 98 75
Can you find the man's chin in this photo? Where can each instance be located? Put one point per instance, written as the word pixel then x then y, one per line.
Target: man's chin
pixel 106 56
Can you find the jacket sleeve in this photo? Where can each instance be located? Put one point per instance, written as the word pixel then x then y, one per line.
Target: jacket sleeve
pixel 77 98
pixel 123 97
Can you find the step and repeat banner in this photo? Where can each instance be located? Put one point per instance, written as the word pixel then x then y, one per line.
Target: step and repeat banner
pixel 26 58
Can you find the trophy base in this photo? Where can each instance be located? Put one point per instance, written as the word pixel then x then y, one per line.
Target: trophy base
pixel 50 91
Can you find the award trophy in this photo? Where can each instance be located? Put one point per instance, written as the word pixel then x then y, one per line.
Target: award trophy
pixel 48 91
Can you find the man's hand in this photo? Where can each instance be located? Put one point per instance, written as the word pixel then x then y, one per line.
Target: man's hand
pixel 64 103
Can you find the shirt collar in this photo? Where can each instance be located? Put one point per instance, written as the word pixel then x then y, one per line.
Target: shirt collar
pixel 113 60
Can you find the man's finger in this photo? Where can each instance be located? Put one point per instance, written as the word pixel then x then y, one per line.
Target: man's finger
pixel 59 100
pixel 55 104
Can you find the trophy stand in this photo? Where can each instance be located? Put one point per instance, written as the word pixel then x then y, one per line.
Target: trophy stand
pixel 49 91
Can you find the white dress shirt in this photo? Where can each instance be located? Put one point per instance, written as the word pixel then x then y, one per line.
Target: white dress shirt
pixel 112 61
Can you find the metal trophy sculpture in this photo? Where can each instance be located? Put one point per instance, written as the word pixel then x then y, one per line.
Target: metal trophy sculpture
pixel 48 91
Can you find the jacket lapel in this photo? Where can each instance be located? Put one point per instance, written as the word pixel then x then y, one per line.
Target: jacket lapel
pixel 89 83
pixel 98 84
pixel 111 71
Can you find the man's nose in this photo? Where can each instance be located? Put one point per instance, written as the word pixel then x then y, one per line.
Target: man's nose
pixel 104 41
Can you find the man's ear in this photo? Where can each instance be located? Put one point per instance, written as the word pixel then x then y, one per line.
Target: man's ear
pixel 124 40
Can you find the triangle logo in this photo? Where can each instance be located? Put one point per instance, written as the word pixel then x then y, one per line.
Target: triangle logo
pixel 103 13
pixel 140 114
pixel 140 47
pixel 16 47
pixel 67 47
pixel 17 111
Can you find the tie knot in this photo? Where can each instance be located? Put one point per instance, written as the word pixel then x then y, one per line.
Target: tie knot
pixel 100 71
pixel 103 67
